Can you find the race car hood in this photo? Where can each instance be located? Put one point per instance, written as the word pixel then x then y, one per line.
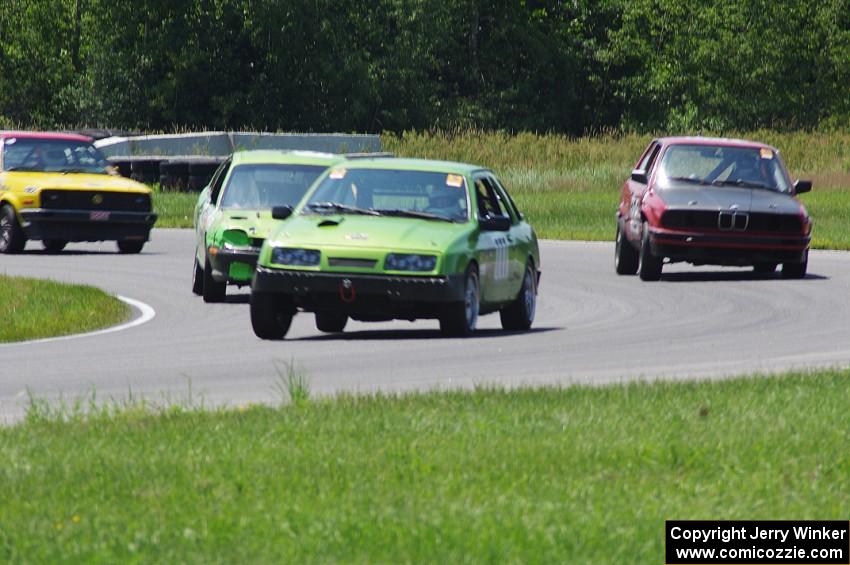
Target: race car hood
pixel 725 197
pixel 73 181
pixel 256 223
pixel 370 232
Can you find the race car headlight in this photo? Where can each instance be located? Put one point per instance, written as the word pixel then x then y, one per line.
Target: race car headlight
pixel 235 238
pixel 410 262
pixel 295 256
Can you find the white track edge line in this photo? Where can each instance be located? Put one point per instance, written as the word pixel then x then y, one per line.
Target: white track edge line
pixel 147 314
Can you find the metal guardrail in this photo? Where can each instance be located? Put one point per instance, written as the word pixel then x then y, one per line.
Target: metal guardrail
pixel 187 161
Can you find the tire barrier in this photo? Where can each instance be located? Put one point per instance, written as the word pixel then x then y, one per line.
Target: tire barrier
pixel 188 173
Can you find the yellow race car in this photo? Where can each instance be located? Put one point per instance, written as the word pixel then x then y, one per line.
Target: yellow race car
pixel 58 187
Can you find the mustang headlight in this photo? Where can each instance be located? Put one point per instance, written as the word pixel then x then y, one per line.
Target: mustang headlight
pixel 295 256
pixel 410 262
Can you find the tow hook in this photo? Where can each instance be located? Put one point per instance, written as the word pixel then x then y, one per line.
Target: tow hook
pixel 347 292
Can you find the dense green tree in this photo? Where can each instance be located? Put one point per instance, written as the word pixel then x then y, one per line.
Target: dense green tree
pixel 322 65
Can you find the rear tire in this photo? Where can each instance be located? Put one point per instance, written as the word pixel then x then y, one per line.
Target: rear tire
pixel 650 265
pixel 626 257
pixel 12 237
pixel 130 246
pixel 519 314
pixel 197 279
pixel 213 290
pixel 331 322
pixel 271 314
pixel 796 270
pixel 54 245
pixel 460 318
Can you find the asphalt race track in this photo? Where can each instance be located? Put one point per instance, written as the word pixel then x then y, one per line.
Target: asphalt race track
pixel 592 326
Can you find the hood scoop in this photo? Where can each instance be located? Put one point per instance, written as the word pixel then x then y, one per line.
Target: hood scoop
pixel 238 217
pixel 329 223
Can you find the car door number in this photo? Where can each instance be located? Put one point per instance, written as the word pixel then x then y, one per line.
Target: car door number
pixel 502 256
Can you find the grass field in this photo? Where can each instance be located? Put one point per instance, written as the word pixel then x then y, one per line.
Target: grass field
pixel 576 475
pixel 569 188
pixel 32 309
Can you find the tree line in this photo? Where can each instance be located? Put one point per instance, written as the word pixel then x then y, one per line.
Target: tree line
pixel 569 66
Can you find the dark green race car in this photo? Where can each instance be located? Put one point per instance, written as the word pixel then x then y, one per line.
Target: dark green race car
pixel 382 239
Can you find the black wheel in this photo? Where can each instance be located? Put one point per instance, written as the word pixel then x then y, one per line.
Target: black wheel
pixel 764 267
pixel 271 314
pixel 330 322
pixel 54 245
pixel 650 265
pixel 626 258
pixel 213 291
pixel 197 279
pixel 12 238
pixel 796 270
pixel 519 314
pixel 130 246
pixel 460 318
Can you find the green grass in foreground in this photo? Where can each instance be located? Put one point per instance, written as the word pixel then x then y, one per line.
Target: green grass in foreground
pixel 569 188
pixel 576 475
pixel 32 309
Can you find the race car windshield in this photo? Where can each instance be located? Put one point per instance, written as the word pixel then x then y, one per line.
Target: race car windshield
pixel 261 187
pixel 52 156
pixel 746 167
pixel 415 194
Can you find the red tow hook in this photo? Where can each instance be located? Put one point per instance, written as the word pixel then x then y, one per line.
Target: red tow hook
pixel 347 292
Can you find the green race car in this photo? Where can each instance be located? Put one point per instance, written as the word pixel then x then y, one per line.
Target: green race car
pixel 233 213
pixel 382 239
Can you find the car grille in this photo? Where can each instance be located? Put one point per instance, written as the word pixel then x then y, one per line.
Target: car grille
pixel 680 219
pixel 345 262
pixel 778 223
pixel 705 219
pixel 257 242
pixel 95 200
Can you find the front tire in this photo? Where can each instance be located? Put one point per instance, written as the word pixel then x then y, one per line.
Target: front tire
pixel 626 257
pixel 460 318
pixel 271 315
pixel 213 290
pixel 54 245
pixel 650 265
pixel 519 314
pixel 796 270
pixel 130 246
pixel 12 237
pixel 330 322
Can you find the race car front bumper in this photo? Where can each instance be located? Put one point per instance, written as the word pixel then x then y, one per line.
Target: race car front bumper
pixel 234 265
pixel 727 249
pixel 312 289
pixel 87 225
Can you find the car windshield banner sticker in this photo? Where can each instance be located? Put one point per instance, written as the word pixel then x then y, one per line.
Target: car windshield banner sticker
pixel 455 181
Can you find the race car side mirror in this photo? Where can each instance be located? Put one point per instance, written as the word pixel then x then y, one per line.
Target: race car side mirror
pixel 281 212
pixel 639 175
pixel 802 186
pixel 495 223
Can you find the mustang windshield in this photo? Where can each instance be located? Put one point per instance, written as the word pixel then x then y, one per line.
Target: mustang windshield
pixel 413 194
pixel 260 187
pixel 749 167
pixel 52 156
